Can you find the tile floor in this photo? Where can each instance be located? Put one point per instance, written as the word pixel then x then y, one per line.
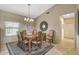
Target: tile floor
pixel 4 50
pixel 66 46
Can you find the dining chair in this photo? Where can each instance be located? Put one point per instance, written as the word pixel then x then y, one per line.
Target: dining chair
pixel 23 34
pixel 50 36
pixel 44 36
pixel 34 38
pixel 34 34
pixel 19 36
pixel 22 37
pixel 23 44
pixel 39 39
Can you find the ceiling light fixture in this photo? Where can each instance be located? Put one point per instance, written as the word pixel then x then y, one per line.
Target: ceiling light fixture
pixel 29 19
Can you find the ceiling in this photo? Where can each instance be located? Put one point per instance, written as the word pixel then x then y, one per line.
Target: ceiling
pixel 70 15
pixel 22 9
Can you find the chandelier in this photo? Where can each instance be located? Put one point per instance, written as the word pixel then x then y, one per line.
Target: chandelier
pixel 28 19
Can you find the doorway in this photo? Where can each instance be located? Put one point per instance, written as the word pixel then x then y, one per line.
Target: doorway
pixel 67 44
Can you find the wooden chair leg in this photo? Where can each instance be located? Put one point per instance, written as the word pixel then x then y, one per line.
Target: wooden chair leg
pixel 30 46
pixel 50 41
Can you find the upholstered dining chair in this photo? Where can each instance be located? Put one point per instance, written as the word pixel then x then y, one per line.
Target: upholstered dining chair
pixel 22 42
pixel 44 36
pixel 39 39
pixel 19 36
pixel 50 36
pixel 34 34
pixel 34 37
pixel 23 35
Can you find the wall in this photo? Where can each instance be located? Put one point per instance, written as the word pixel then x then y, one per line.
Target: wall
pixel 6 16
pixel 53 18
pixel 69 28
pixel 77 36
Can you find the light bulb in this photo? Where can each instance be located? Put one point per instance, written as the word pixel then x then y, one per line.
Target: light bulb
pixel 32 19
pixel 25 19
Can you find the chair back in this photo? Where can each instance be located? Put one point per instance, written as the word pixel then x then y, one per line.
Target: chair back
pixel 23 34
pixel 19 36
pixel 34 34
pixel 44 36
pixel 52 34
pixel 39 36
pixel 39 39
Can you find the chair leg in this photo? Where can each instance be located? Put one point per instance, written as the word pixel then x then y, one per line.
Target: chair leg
pixel 39 45
pixel 50 41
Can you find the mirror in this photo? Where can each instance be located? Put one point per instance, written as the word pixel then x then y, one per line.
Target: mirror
pixel 43 26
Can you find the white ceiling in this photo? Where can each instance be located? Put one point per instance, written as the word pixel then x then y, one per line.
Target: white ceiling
pixel 22 9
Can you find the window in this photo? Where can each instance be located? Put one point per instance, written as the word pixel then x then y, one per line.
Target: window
pixel 11 28
pixel 29 28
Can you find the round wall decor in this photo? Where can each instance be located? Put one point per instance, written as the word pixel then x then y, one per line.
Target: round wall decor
pixel 43 25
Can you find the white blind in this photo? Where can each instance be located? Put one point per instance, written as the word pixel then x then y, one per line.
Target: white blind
pixel 11 28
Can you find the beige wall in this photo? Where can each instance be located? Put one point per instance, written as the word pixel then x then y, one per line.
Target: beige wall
pixel 77 36
pixel 6 16
pixel 69 28
pixel 53 18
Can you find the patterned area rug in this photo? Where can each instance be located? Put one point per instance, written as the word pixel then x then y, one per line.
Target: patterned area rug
pixel 15 50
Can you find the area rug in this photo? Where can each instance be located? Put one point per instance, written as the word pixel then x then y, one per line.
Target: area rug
pixel 15 50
